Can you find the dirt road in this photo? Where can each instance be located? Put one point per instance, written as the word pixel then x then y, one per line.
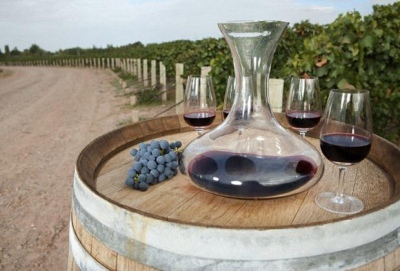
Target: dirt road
pixel 47 115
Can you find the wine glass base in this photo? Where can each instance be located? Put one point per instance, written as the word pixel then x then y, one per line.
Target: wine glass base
pixel 340 205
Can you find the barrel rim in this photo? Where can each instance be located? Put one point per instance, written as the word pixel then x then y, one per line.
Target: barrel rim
pixel 89 181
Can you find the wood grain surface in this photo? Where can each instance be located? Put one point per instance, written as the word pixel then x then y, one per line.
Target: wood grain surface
pixel 179 200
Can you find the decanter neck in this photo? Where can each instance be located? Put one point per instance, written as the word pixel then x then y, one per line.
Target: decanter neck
pixel 252 45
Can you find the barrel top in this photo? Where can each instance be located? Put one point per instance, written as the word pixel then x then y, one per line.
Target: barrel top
pixel 103 164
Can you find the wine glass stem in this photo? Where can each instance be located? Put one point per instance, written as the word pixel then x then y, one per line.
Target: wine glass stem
pixel 340 190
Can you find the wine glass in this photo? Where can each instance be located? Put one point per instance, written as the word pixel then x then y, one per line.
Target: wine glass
pixel 345 140
pixel 303 107
pixel 229 96
pixel 199 102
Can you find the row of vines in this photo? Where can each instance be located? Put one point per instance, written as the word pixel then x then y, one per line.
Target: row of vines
pixel 351 52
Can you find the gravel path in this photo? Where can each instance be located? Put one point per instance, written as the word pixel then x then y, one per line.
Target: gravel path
pixel 47 116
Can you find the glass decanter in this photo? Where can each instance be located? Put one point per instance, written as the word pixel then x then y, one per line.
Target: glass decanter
pixel 250 155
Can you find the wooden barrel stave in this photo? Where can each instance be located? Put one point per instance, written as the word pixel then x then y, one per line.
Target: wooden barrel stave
pixel 120 238
pixel 142 240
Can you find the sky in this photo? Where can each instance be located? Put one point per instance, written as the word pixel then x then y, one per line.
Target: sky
pixel 57 24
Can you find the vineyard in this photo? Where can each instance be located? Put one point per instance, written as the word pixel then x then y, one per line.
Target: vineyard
pixel 351 52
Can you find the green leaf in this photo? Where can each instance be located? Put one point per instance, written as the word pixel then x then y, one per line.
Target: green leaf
pixel 378 32
pixel 346 39
pixel 354 50
pixel 366 41
pixel 320 72
pixel 342 84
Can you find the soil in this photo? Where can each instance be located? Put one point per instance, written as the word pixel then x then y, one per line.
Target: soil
pixel 47 116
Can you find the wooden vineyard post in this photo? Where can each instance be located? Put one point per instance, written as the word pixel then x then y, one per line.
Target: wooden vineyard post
pixel 275 94
pixel 205 70
pixel 145 73
pixel 126 65
pixel 134 66
pixel 153 73
pixel 121 65
pixel 112 63
pixel 139 69
pixel 179 87
pixel 163 82
pixel 129 65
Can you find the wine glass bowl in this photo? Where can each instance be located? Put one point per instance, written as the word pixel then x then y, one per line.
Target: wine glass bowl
pixel 229 96
pixel 345 140
pixel 199 102
pixel 303 107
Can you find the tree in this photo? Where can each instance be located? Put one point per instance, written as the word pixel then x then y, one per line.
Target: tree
pixel 6 50
pixel 36 50
pixel 15 52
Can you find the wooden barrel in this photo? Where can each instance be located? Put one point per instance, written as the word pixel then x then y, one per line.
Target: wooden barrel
pixel 176 226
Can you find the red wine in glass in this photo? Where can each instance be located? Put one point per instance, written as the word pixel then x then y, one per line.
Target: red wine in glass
pixel 345 148
pixel 199 119
pixel 303 119
pixel 345 140
pixel 225 113
pixel 303 107
pixel 199 102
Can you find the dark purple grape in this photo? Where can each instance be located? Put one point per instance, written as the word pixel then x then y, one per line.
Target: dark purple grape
pixel 143 186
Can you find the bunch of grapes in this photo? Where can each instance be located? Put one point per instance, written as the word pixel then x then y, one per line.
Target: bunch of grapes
pixel 155 162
